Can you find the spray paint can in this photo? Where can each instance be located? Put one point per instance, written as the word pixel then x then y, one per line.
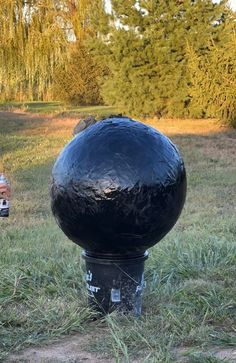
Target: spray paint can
pixel 5 193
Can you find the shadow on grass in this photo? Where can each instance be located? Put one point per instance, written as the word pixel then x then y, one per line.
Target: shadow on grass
pixel 58 109
pixel 34 106
pixel 14 122
pixel 36 178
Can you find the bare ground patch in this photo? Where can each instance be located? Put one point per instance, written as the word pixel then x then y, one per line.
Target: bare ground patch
pixel 73 350
pixel 70 349
pixel 229 355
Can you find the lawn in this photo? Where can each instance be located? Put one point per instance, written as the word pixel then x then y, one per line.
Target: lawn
pixel 57 108
pixel 189 304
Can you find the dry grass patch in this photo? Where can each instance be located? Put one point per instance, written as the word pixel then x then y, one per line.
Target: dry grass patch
pixel 187 126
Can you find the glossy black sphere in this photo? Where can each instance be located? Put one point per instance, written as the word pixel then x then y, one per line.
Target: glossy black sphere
pixel 118 187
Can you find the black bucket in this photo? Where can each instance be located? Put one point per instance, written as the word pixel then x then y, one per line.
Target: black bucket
pixel 115 284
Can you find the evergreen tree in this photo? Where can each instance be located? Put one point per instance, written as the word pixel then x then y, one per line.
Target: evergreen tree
pixel 213 77
pixel 147 53
pixel 77 82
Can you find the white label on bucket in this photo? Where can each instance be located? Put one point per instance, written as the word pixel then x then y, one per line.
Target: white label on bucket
pixel 92 288
pixel 142 286
pixel 115 295
pixel 89 276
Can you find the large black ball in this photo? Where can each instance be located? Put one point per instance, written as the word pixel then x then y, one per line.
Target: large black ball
pixel 118 188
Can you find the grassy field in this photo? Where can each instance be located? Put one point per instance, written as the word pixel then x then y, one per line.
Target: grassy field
pixel 57 108
pixel 189 304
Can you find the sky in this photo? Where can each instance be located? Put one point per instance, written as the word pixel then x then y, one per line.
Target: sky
pixel 233 4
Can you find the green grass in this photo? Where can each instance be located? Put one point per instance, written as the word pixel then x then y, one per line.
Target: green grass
pixel 190 296
pixel 204 358
pixel 58 108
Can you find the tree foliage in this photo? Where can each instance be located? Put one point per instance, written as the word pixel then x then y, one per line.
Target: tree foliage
pixel 146 49
pixel 77 82
pixel 149 57
pixel 213 78
pixel 36 38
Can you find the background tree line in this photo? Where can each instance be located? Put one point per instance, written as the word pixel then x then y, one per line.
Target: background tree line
pixel 41 43
pixel 147 57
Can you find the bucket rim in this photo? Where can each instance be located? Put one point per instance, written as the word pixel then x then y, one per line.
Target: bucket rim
pixel 109 260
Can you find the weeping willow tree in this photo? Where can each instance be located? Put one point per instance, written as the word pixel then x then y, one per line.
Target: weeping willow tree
pixel 35 39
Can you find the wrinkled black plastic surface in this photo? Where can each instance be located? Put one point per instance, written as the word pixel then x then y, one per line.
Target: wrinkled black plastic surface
pixel 118 187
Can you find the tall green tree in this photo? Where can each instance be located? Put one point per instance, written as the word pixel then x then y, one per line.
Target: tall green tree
pixel 146 49
pixel 213 77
